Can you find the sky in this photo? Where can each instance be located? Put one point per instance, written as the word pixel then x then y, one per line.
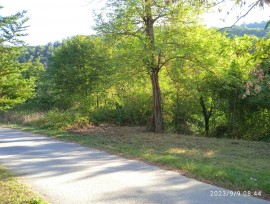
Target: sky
pixel 55 20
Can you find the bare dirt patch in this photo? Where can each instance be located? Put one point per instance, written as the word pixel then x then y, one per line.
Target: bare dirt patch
pixel 108 130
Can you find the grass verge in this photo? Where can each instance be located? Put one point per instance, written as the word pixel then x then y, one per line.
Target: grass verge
pixel 12 190
pixel 234 164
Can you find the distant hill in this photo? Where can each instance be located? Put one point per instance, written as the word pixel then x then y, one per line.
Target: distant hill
pixel 41 52
pixel 256 29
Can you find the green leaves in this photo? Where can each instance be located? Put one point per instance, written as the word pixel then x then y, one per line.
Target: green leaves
pixel 75 69
pixel 17 80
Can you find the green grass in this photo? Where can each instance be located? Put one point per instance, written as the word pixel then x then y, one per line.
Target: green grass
pixel 234 164
pixel 13 191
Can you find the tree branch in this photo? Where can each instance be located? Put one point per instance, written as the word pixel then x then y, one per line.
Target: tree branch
pixel 243 16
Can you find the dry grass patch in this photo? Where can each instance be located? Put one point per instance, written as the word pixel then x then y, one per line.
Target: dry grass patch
pixel 13 191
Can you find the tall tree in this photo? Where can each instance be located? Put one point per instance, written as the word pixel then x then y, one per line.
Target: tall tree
pixel 17 80
pixel 156 28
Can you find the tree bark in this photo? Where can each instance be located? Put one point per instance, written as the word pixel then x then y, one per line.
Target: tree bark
pixel 157 120
pixel 153 68
pixel 206 115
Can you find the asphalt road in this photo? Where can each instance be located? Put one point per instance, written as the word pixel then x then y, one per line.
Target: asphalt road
pixel 67 173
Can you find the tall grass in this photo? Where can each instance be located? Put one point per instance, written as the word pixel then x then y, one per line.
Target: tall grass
pixel 53 119
pixel 23 117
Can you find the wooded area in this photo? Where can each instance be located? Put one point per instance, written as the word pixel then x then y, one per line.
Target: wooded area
pixel 151 64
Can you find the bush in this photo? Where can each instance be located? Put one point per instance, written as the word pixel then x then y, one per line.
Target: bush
pixel 256 125
pixel 120 116
pixel 56 119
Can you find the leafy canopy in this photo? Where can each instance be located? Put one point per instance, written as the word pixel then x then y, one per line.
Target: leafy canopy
pixel 74 71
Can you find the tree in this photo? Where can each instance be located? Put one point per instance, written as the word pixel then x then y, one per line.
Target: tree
pixel 74 70
pixel 17 80
pixel 256 95
pixel 225 84
pixel 213 77
pixel 155 28
pixel 205 56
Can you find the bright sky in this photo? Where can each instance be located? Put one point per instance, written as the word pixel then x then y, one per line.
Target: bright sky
pixel 52 20
pixel 223 19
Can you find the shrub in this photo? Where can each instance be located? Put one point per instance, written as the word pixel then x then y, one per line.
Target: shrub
pixel 56 119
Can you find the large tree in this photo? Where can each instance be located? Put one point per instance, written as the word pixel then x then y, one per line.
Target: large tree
pixel 155 28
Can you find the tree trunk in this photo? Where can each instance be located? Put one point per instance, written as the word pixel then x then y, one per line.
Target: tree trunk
pixel 206 115
pixel 157 120
pixel 153 67
pixel 206 125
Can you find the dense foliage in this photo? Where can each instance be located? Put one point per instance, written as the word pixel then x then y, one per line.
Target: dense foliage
pixel 75 70
pixel 153 64
pixel 218 88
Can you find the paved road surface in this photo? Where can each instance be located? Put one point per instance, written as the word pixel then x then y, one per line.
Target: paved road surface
pixel 68 173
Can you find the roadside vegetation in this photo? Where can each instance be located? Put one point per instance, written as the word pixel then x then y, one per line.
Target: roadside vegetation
pixel 12 190
pixel 235 164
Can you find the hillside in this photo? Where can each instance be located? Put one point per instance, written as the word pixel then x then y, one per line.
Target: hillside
pixel 256 29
